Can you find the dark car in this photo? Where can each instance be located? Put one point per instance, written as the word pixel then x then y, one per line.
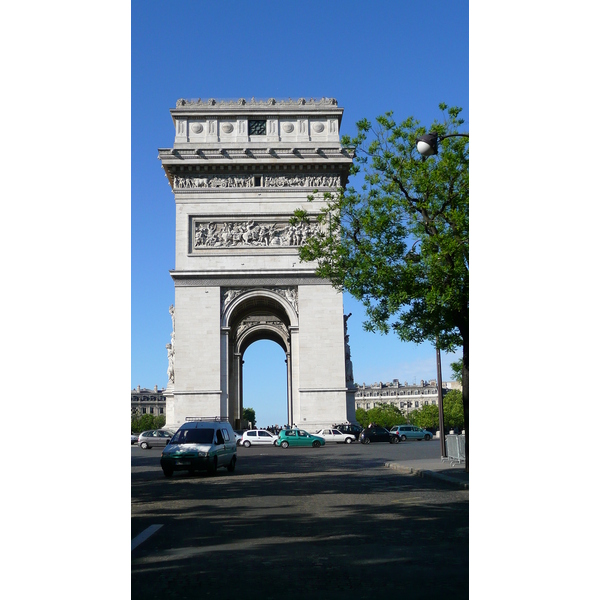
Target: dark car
pixel 350 428
pixel 377 434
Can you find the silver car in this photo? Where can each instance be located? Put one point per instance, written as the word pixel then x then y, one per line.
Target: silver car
pixel 155 437
pixel 335 435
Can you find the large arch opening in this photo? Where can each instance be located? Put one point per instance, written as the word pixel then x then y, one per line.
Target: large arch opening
pixel 254 318
pixel 264 383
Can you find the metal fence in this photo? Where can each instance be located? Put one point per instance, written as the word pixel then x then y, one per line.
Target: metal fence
pixel 455 449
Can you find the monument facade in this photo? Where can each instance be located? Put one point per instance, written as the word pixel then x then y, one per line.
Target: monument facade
pixel 238 170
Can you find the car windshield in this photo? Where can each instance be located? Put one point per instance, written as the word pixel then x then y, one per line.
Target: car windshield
pixel 194 436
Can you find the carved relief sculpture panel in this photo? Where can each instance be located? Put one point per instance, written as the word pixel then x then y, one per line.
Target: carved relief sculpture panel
pixel 249 233
pixel 268 181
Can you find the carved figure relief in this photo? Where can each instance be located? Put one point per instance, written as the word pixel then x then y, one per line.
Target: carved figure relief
pixel 251 233
pixel 212 182
pixel 216 181
pixel 250 324
pixel 171 348
pixel 171 368
pixel 349 368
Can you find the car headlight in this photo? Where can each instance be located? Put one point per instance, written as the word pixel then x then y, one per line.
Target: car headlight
pixel 202 454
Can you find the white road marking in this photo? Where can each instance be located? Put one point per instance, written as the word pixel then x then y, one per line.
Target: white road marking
pixel 135 542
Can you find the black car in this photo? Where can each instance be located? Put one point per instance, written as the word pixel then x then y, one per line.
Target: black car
pixel 350 428
pixel 377 434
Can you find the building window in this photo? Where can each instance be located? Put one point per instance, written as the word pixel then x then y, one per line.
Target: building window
pixel 257 127
pixel 416 404
pixel 160 410
pixel 143 410
pixel 152 410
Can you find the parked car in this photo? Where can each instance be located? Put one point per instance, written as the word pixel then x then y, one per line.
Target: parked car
pixel 238 436
pixel 298 437
pixel 377 433
pixel 336 436
pixel 410 432
pixel 156 437
pixel 259 437
pixel 201 445
pixel 134 438
pixel 350 428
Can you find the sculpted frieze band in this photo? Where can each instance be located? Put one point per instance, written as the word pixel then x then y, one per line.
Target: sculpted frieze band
pixel 215 181
pixel 251 234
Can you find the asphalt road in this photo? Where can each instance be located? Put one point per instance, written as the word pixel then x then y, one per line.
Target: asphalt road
pixel 328 523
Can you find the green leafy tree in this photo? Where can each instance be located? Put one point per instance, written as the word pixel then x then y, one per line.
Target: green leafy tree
pixel 400 243
pixel 249 415
pixel 362 417
pixel 145 422
pixel 386 415
pixel 454 417
pixel 457 369
pixel 427 417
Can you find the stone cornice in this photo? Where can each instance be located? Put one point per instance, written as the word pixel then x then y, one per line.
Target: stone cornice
pixel 200 153
pixel 244 279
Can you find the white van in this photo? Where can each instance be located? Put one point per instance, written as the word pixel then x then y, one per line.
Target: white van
pixel 200 444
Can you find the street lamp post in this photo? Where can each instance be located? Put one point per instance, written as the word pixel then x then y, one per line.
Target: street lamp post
pixel 427 144
pixel 440 400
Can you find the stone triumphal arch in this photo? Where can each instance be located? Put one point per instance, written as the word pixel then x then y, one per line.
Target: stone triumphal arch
pixel 238 170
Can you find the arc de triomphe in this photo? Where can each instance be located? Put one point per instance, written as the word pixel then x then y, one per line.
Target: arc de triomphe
pixel 238 170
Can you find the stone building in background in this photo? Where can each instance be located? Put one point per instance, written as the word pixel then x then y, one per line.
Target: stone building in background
pixel 404 396
pixel 145 401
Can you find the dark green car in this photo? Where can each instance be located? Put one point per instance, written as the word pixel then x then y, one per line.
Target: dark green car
pixel 298 437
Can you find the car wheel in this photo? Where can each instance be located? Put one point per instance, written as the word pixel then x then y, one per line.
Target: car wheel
pixel 316 444
pixel 427 438
pixel 168 472
pixel 395 440
pixel 144 445
pixel 367 440
pixel 231 465
pixel 403 438
pixel 348 440
pixel 212 466
pixel 285 444
pixel 247 444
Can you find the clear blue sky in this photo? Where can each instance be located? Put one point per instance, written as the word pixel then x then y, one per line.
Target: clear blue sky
pixel 372 57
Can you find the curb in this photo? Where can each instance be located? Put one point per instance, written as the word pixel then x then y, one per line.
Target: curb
pixel 427 473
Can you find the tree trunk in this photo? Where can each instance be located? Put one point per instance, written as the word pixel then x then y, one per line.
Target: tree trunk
pixel 465 396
